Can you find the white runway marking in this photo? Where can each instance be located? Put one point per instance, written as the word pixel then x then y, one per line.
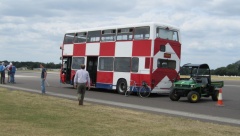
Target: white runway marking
pixel 25 76
pixel 233 85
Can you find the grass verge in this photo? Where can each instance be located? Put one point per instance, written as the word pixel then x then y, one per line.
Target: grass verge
pixel 27 114
pixel 218 78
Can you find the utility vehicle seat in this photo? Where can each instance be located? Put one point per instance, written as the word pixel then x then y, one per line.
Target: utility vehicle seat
pixel 204 81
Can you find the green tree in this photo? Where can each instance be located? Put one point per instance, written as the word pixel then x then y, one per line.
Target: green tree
pixel 221 71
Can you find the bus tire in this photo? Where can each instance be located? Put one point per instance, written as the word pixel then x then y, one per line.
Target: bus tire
pixel 121 86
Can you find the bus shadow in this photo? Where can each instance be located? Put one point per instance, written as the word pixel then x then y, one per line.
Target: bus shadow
pixel 103 90
pixel 158 95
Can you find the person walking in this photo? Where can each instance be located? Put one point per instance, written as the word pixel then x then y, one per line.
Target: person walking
pixel 2 70
pixel 80 80
pixel 43 78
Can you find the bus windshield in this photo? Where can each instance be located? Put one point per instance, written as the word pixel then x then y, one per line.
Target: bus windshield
pixel 167 34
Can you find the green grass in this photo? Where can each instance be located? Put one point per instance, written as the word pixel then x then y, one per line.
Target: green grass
pixel 27 114
pixel 221 78
pixel 218 78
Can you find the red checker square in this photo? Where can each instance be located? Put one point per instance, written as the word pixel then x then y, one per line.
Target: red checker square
pixel 141 48
pixel 107 49
pixel 79 49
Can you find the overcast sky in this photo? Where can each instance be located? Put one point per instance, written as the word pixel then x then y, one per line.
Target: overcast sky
pixel 33 30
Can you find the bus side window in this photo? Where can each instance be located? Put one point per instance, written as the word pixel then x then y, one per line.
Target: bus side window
pixel 141 33
pixel 134 64
pixel 108 35
pixel 105 64
pixel 94 36
pixel 122 64
pixel 76 61
pixel 125 34
pixel 80 37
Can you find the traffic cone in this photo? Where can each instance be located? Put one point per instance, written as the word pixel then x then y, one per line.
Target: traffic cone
pixel 220 102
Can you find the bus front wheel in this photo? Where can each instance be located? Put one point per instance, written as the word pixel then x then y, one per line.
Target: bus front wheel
pixel 121 86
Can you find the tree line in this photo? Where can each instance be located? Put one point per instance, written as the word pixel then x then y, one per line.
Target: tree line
pixel 30 65
pixel 229 70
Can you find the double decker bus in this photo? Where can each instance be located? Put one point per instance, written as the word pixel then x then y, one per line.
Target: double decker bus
pixel 116 55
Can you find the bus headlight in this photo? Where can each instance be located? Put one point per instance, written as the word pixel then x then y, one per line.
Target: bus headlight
pixel 192 86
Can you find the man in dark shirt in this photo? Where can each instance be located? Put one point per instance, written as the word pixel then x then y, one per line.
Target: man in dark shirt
pixel 43 78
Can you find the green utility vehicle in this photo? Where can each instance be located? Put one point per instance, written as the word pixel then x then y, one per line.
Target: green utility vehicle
pixel 198 85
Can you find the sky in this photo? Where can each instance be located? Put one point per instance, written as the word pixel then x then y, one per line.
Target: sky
pixel 33 30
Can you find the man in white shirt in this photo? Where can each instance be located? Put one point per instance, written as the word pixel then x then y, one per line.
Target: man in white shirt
pixel 80 80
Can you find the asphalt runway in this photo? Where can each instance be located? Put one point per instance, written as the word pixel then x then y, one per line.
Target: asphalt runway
pixel 205 109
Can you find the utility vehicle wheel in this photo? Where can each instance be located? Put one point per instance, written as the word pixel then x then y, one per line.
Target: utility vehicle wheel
pixel 215 95
pixel 173 95
pixel 193 96
pixel 121 86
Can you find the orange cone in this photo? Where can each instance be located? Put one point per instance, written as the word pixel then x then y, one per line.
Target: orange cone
pixel 220 102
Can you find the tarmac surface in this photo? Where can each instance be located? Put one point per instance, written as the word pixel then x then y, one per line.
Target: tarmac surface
pixel 204 110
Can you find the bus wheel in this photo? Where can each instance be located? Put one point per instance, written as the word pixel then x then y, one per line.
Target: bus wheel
pixel 121 86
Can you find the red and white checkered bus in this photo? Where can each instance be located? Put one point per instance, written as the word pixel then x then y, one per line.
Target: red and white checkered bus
pixel 116 55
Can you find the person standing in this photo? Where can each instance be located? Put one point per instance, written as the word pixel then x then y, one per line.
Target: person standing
pixel 80 80
pixel 13 71
pixel 2 70
pixel 9 69
pixel 43 78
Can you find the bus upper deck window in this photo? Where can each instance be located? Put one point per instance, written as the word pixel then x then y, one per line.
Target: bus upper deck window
pixel 94 36
pixel 108 35
pixel 125 34
pixel 80 37
pixel 141 33
pixel 68 38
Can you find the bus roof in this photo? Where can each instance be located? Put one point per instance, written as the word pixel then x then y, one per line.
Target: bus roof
pixel 152 24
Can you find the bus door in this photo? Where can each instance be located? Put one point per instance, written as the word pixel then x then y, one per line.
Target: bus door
pixel 66 68
pixel 92 62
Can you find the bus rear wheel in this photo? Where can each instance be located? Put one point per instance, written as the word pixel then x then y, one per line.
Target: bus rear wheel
pixel 121 86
